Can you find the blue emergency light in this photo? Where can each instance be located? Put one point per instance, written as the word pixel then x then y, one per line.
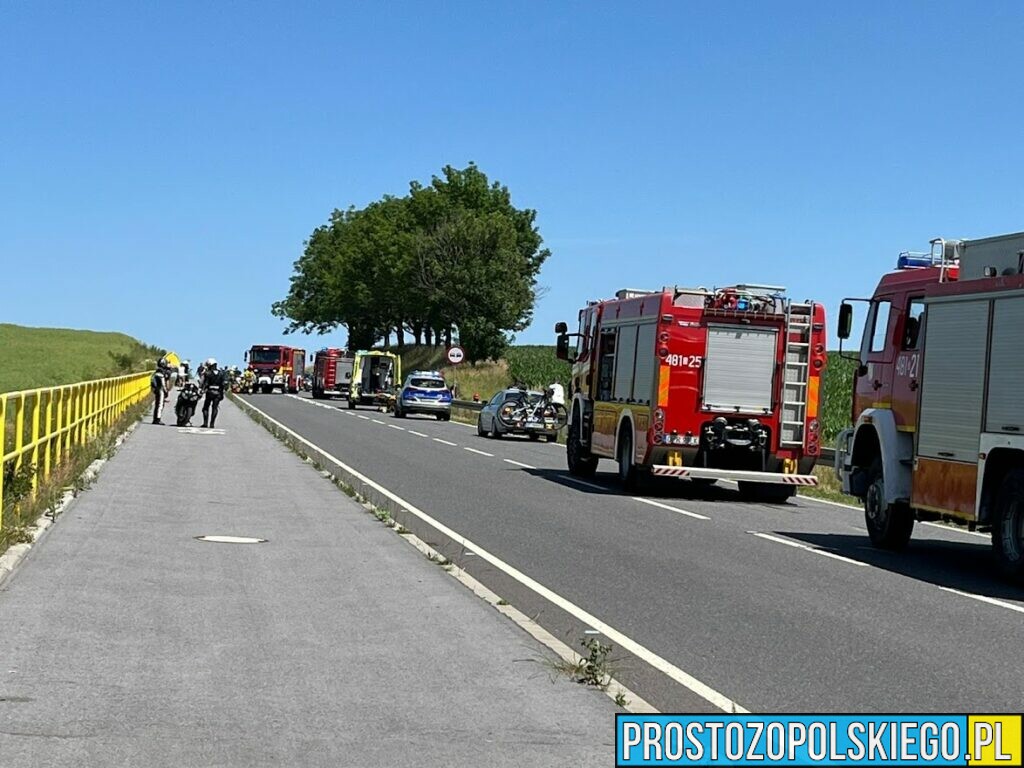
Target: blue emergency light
pixel 914 261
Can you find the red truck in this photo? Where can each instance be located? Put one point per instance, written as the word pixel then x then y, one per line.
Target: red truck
pixel 700 384
pixel 938 417
pixel 332 373
pixel 276 367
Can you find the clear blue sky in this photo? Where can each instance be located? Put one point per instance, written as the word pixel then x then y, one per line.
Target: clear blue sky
pixel 161 164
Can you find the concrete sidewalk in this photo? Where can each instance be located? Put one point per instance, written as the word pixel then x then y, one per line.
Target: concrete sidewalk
pixel 125 641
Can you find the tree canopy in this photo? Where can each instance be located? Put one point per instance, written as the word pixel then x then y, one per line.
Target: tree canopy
pixel 454 254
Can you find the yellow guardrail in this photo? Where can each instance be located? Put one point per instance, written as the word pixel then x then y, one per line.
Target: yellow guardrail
pixel 43 426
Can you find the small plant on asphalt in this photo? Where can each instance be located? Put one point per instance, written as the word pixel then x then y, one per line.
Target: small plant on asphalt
pixel 502 601
pixel 383 515
pixel 595 669
pixel 621 700
pixel 401 530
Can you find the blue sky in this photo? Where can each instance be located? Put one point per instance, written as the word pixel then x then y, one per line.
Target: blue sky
pixel 161 164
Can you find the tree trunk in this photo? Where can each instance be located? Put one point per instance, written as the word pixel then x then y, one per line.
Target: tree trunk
pixel 427 339
pixel 400 334
pixel 417 333
pixel 448 336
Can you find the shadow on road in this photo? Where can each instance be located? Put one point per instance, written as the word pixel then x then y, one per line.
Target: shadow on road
pixel 963 565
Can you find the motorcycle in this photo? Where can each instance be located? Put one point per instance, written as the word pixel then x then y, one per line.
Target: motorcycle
pixel 185 405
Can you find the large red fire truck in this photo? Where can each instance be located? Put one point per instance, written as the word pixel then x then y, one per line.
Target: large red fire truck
pixel 332 373
pixel 938 418
pixel 276 367
pixel 701 384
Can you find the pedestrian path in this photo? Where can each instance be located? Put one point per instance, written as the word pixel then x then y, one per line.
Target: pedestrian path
pixel 126 640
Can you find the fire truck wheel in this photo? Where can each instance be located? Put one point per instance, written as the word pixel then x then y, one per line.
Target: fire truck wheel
pixel 889 525
pixel 1008 526
pixel 581 462
pixel 627 469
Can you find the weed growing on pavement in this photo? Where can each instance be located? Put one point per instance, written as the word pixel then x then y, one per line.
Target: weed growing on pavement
pixel 502 601
pixel 401 530
pixel 596 669
pixel 621 700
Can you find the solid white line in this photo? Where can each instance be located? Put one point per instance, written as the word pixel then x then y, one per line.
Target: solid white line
pixel 953 528
pixel 518 463
pixel 482 453
pixel 694 515
pixel 808 548
pixel 689 682
pixel 584 483
pixel 985 599
pixel 445 442
pixel 418 434
pixel 395 426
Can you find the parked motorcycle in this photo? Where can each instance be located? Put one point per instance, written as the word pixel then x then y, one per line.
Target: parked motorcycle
pixel 185 405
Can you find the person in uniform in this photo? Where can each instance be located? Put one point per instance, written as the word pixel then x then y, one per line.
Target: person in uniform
pixel 214 383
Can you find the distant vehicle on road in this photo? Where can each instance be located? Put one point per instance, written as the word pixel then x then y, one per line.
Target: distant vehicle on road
pixel 374 377
pixel 425 392
pixel 332 373
pixel 276 367
pixel 490 423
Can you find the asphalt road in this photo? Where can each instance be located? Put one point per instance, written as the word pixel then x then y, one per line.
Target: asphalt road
pixel 781 608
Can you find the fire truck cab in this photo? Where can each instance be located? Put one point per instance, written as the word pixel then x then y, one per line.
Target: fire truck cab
pixel 938 420
pixel 276 367
pixel 332 373
pixel 701 384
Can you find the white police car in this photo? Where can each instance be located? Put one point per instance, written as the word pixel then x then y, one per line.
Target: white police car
pixel 424 392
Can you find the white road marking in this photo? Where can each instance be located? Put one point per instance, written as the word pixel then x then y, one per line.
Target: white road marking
pixel 625 642
pixel 584 483
pixel 395 426
pixel 445 442
pixel 953 528
pixel 653 503
pixel 364 418
pixel 482 453
pixel 807 547
pixel 378 421
pixel 518 463
pixel 985 599
pixel 418 434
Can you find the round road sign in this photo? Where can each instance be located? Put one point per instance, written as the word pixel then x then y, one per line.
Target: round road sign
pixel 456 355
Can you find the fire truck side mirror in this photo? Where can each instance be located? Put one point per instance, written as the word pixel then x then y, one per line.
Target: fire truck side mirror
pixel 246 357
pixel 561 328
pixel 845 321
pixel 562 346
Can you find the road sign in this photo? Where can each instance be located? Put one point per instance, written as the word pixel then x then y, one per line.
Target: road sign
pixel 456 355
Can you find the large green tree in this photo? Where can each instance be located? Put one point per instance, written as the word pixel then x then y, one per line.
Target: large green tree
pixel 452 254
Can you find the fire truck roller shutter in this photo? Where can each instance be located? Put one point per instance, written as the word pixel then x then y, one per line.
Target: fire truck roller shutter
pixel 646 363
pixel 953 379
pixel 1005 411
pixel 625 362
pixel 739 369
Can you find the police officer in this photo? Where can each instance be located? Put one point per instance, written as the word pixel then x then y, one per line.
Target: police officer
pixel 214 383
pixel 160 385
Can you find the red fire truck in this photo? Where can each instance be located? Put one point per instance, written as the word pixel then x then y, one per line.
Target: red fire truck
pixel 276 367
pixel 701 384
pixel 938 419
pixel 332 373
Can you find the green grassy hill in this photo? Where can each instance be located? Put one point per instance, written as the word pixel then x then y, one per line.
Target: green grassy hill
pixel 42 357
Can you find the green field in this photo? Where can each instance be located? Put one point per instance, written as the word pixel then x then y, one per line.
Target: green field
pixel 43 357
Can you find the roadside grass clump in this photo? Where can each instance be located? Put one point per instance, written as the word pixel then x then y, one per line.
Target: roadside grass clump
pixel 596 669
pixel 837 397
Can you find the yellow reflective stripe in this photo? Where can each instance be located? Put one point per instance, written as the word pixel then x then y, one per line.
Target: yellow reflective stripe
pixel 663 382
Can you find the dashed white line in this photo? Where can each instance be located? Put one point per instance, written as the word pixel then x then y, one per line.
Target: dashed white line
pixel 807 547
pixel 619 639
pixel 418 434
pixel 482 453
pixel 378 421
pixel 985 599
pixel 445 442
pixel 364 418
pixel 583 483
pixel 518 463
pixel 395 426
pixel 658 504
